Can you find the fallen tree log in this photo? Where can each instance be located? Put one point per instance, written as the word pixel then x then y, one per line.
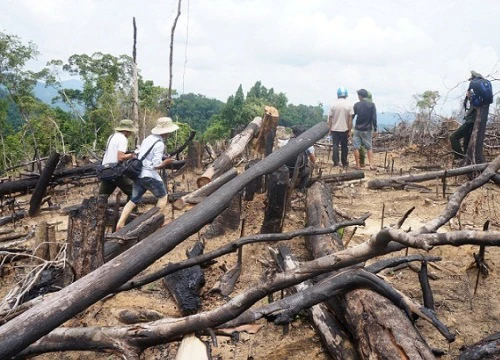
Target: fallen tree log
pixel 136 230
pixel 198 195
pixel 35 322
pixel 347 176
pixel 400 181
pixel 42 183
pixel 378 325
pixel 333 334
pixel 485 349
pixel 61 177
pixel 236 146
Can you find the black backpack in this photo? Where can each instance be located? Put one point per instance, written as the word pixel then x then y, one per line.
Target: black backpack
pixel 481 92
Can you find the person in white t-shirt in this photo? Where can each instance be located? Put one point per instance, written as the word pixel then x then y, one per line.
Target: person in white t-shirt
pixel 340 123
pixel 149 179
pixel 116 152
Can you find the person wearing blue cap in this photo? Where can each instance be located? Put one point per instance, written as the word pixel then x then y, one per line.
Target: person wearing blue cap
pixel 340 124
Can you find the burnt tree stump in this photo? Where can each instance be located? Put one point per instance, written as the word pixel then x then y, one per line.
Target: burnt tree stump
pixel 276 201
pixel 185 284
pixel 229 219
pixel 254 186
pixel 86 226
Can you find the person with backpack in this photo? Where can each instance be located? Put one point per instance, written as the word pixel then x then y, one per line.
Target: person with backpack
pixel 115 155
pixel 478 94
pixel 340 123
pixel 151 153
pixel 365 113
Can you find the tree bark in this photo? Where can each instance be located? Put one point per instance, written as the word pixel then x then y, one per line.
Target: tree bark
pixel 486 349
pixel 195 155
pixel 254 186
pixel 475 150
pixel 185 285
pixel 236 147
pixel 41 185
pixel 333 334
pixel 198 195
pixel 401 181
pixel 229 219
pixel 267 132
pixel 348 176
pixel 276 201
pixel 135 92
pixel 382 330
pixel 42 318
pixel 138 229
pixel 86 238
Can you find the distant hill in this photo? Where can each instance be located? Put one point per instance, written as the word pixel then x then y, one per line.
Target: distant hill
pixel 46 94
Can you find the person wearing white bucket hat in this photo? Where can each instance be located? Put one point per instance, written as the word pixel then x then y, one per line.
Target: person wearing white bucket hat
pixel 116 152
pixel 149 179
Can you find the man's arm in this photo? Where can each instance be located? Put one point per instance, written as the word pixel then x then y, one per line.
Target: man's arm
pixel 124 156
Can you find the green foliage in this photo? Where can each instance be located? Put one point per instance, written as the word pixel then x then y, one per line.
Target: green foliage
pixel 217 130
pixel 179 137
pixel 301 115
pixel 195 110
pixel 426 102
pixel 152 98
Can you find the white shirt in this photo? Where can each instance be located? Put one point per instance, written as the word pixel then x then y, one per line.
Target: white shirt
pixel 116 142
pixel 154 158
pixel 339 113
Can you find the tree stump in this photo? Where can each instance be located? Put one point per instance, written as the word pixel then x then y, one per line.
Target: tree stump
pixel 254 186
pixel 267 133
pixel 41 249
pixel 195 155
pixel 86 226
pixel 276 201
pixel 382 329
pixel 229 219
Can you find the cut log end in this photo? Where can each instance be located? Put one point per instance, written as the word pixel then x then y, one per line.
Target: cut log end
pixel 202 181
pixel 179 204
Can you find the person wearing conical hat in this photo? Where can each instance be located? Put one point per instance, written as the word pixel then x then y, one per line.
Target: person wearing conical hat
pixel 116 152
pixel 150 179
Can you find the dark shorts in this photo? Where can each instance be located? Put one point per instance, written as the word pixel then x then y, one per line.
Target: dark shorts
pixel 141 185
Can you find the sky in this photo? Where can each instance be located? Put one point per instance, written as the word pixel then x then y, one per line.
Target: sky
pixel 303 48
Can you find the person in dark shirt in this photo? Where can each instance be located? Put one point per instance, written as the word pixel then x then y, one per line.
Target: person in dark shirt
pixel 463 132
pixel 365 113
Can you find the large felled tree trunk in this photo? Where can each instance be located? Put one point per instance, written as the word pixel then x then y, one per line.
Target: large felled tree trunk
pixel 225 161
pixel 61 306
pixel 382 329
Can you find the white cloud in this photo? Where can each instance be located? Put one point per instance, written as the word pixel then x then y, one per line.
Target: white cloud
pixel 305 49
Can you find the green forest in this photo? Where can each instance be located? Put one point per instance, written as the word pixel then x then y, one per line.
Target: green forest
pixel 31 128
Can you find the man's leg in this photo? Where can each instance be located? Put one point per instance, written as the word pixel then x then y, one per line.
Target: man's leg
pixel 455 137
pixel 335 147
pixel 467 135
pixel 107 187
pixel 126 185
pixel 344 149
pixel 356 141
pixel 137 193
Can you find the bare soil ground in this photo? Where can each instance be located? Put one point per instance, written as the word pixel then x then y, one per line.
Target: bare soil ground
pixel 472 317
